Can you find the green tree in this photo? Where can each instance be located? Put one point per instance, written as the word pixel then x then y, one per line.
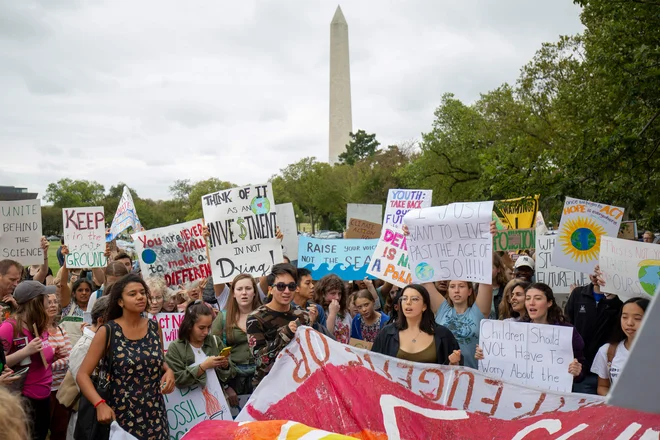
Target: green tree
pixel 68 193
pixel 51 220
pixel 362 145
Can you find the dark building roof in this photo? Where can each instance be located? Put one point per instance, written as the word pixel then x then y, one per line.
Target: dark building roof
pixel 9 193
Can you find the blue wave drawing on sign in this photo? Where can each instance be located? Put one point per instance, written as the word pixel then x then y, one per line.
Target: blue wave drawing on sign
pixel 345 273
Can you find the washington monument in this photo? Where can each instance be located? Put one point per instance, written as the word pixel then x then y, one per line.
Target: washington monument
pixel 341 119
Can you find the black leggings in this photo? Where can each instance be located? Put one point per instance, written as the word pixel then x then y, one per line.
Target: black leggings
pixel 38 417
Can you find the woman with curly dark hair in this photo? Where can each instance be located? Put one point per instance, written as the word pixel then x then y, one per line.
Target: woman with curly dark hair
pixel 330 292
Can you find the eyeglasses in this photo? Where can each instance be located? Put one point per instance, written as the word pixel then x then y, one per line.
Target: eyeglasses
pixel 283 286
pixel 157 298
pixel 414 299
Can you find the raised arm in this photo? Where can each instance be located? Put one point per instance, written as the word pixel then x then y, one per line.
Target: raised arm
pixel 43 269
pixel 65 290
pixel 436 297
pixel 484 298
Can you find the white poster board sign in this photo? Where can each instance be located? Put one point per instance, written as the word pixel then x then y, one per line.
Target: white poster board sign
pixel 362 211
pixel 84 235
pixel 451 242
pixel 400 201
pixel 20 233
pixel 530 354
pixel 630 268
pixel 169 323
pixel 125 217
pixel 176 253
pixel 559 280
pixel 390 259
pixel 242 222
pixel 286 220
pixel 583 223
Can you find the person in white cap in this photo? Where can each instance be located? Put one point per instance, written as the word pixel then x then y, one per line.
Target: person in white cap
pixel 524 268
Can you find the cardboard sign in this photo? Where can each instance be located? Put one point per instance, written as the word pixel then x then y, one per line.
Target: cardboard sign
pixel 559 280
pixel 362 229
pixel 176 253
pixel 515 240
pixel 583 223
pixel 286 220
pixel 518 213
pixel 84 235
pixel 527 353
pixel 628 230
pixel 390 259
pixel 20 231
pixel 169 323
pixel 361 211
pixel 243 223
pixel 125 217
pixel 401 201
pixel 451 242
pixel 358 343
pixel 348 259
pixel 630 268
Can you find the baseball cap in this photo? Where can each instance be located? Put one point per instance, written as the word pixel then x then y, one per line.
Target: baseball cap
pixel 27 290
pixel 524 260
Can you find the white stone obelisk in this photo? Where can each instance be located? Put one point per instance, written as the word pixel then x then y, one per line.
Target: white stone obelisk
pixel 341 119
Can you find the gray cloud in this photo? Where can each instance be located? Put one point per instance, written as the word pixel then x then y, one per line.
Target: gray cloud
pixel 150 92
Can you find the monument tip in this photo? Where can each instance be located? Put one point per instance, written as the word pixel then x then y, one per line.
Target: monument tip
pixel 339 16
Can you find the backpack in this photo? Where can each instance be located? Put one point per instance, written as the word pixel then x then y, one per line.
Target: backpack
pixel 611 352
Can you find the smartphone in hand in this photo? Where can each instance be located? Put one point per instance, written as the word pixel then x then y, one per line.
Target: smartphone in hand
pixel 225 352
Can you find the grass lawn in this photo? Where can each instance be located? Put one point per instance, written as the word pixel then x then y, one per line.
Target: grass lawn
pixel 52 257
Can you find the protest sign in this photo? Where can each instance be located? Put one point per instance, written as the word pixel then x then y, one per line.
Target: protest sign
pixel 348 259
pixel 518 213
pixel 583 223
pixel 170 323
pixel 628 230
pixel 361 211
pixel 630 268
pixel 125 217
pixel 176 253
pixel 368 395
pixel 451 242
pixel 400 201
pixel 286 220
pixel 514 240
pixel 559 280
pixel 84 235
pixel 187 407
pixel 359 343
pixel 20 236
pixel 362 229
pixel 243 224
pixel 541 228
pixel 389 261
pixel 527 353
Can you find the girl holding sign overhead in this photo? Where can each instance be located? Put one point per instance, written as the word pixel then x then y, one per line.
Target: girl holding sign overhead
pixel 612 357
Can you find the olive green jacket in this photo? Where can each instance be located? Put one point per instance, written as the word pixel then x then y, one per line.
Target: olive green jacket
pixel 180 358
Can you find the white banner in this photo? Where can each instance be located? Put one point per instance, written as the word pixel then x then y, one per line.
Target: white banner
pixel 84 235
pixel 451 242
pixel 125 217
pixel 582 225
pixel 390 259
pixel 286 220
pixel 527 353
pixel 20 233
pixel 400 201
pixel 176 253
pixel 242 223
pixel 560 280
pixel 630 268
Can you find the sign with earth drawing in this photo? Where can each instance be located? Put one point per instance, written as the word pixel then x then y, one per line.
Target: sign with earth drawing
pixel 583 223
pixel 243 226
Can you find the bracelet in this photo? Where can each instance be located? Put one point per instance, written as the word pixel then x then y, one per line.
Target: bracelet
pixel 98 403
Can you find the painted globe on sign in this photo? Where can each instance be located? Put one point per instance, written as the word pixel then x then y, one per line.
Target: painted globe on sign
pixel 260 205
pixel 424 271
pixel 583 239
pixel 649 275
pixel 149 256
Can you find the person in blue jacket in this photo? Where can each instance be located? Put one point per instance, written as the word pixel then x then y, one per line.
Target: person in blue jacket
pixel 368 322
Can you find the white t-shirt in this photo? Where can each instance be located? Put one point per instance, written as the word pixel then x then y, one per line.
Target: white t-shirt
pixel 600 362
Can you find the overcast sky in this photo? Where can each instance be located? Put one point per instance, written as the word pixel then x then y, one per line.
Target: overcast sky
pixel 149 91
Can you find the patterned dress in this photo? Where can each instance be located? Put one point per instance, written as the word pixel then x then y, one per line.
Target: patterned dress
pixel 136 370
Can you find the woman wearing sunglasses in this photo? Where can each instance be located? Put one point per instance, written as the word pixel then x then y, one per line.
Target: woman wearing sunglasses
pixel 415 336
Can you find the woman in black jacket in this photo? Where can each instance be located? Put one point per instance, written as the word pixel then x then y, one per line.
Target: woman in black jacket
pixel 415 336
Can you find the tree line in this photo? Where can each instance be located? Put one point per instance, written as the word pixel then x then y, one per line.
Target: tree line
pixel 582 120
